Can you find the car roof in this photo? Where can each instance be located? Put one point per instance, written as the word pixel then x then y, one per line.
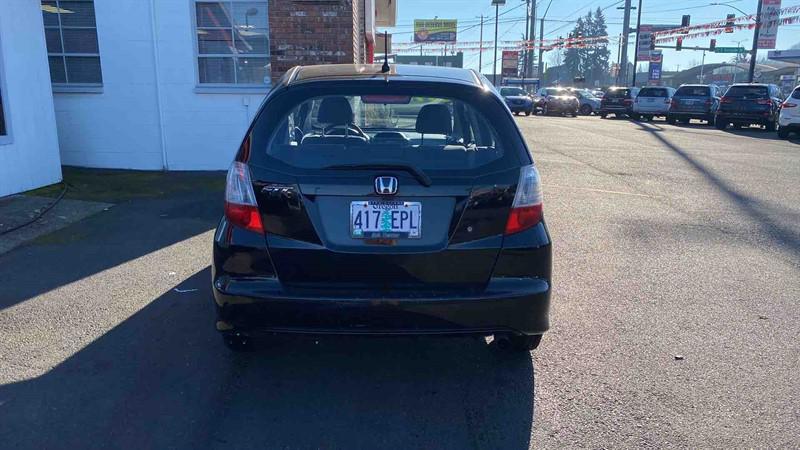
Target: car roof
pixel 338 72
pixel 751 84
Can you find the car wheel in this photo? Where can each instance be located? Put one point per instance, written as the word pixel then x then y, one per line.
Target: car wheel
pixel 670 120
pixel 519 343
pixel 237 342
pixel 586 110
pixel 528 113
pixel 545 110
pixel 603 115
pixel 783 133
pixel 721 124
pixel 635 116
pixel 769 126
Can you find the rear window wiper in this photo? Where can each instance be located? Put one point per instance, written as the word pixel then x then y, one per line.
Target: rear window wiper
pixel 421 176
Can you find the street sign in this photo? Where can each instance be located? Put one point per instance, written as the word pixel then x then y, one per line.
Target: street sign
pixel 730 50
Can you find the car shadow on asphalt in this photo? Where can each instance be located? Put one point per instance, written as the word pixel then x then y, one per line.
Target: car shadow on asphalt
pixel 163 379
pixel 783 236
pixel 125 232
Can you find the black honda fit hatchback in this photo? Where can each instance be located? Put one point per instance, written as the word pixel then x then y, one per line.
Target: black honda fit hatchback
pixel 371 201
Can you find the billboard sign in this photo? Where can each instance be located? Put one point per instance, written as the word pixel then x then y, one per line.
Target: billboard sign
pixel 510 62
pixel 646 38
pixel 435 30
pixel 770 13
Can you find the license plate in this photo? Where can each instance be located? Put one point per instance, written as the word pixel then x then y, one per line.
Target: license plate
pixel 385 219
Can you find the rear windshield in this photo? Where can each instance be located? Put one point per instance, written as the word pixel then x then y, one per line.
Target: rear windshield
pixel 556 91
pixel 506 92
pixel 617 93
pixel 654 92
pixel 426 132
pixel 747 92
pixel 692 91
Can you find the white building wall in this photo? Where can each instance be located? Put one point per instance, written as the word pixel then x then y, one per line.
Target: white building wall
pixel 150 112
pixel 29 156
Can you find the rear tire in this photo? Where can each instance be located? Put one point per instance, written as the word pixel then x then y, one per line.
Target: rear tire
pixel 721 124
pixel 769 126
pixel 783 133
pixel 635 116
pixel 519 343
pixel 670 120
pixel 586 110
pixel 603 115
pixel 527 113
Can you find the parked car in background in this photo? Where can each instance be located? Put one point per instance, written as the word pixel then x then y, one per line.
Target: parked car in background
pixel 558 100
pixel 694 101
pixel 517 99
pixel 588 103
pixel 652 101
pixel 618 101
pixel 789 118
pixel 365 207
pixel 746 104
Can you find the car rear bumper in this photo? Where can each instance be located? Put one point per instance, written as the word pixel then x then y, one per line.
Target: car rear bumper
pixel 612 109
pixel 745 117
pixel 562 107
pixel 516 305
pixel 790 123
pixel 691 114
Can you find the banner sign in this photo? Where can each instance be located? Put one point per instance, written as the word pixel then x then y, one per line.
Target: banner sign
pixel 646 37
pixel 768 34
pixel 435 30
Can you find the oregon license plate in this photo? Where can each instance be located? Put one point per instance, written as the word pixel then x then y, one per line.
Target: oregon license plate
pixel 385 219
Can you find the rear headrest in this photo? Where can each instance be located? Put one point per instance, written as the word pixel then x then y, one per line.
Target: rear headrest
pixel 335 111
pixel 434 119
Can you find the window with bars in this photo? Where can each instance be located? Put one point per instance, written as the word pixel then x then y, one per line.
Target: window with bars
pixel 72 48
pixel 232 43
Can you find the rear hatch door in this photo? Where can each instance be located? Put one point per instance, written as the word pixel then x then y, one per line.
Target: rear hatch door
pixel 406 207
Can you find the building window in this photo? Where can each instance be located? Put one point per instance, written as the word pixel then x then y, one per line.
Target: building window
pixel 232 43
pixel 72 49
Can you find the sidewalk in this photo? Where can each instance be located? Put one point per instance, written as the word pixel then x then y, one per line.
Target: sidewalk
pixel 89 192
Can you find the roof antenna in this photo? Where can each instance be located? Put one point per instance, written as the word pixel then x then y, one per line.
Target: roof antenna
pixel 385 68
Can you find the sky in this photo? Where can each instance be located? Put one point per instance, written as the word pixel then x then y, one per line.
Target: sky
pixel 560 21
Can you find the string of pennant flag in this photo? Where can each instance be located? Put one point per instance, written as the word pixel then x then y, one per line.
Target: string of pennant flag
pixel 716 31
pixel 736 22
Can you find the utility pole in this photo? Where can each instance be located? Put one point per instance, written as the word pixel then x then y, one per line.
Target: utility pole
pixel 626 29
pixel 480 53
pixel 636 47
pixel 494 62
pixel 703 66
pixel 525 39
pixel 541 51
pixel 532 34
pixel 752 71
pixel 619 58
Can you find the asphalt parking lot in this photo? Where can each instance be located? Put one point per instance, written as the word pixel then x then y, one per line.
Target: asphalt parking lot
pixel 675 321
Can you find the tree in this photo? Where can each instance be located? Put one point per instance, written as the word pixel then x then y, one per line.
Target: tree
pixel 589 57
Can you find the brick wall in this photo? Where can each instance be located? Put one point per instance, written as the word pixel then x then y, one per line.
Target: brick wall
pixel 304 32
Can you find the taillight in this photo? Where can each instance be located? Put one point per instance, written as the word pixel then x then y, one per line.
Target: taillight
pixel 628 101
pixel 673 103
pixel 764 101
pixel 526 211
pixel 241 208
pixel 786 104
pixel 726 100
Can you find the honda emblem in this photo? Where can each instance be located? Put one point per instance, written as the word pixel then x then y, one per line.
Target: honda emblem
pixel 386 185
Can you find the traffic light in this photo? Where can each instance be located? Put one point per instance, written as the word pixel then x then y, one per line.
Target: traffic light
pixel 713 45
pixel 685 23
pixel 678 44
pixel 652 43
pixel 729 21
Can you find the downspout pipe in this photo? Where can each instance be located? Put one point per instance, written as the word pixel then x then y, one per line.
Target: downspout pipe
pixel 157 78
